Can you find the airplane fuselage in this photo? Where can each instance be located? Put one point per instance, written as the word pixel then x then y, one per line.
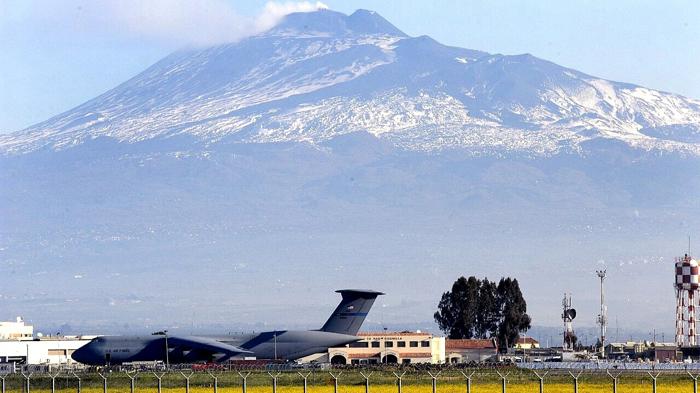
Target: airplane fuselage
pixel 340 329
pixel 289 344
pixel 281 345
pixel 124 349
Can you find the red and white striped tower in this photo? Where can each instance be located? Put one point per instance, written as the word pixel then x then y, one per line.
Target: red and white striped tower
pixel 679 319
pixel 691 318
pixel 687 286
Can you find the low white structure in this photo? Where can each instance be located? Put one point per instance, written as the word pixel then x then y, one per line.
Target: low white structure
pixel 47 350
pixel 16 330
pixel 389 347
pixel 470 350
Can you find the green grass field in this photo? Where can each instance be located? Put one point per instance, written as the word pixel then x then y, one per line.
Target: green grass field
pixel 519 381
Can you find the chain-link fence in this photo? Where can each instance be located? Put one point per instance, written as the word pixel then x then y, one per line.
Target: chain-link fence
pixel 381 379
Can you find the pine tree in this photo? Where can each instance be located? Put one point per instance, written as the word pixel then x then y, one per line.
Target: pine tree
pixel 457 310
pixel 481 309
pixel 514 318
pixel 488 310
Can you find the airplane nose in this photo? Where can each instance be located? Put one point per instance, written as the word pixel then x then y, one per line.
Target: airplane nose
pixel 83 354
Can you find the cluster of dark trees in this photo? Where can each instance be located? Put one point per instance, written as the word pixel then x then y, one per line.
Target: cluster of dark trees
pixel 483 309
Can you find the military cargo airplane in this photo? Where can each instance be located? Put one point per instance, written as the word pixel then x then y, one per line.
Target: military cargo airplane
pixel 340 329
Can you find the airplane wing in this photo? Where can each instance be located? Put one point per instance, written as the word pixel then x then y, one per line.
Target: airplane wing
pixel 194 345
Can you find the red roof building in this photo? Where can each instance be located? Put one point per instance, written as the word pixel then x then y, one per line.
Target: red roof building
pixel 470 350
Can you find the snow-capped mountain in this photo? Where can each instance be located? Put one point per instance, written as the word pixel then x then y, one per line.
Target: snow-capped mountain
pixel 225 184
pixel 320 75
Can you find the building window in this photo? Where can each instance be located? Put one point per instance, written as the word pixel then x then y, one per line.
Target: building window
pixel 375 344
pixel 401 344
pixel 389 344
pixel 425 344
pixel 414 344
pixel 359 344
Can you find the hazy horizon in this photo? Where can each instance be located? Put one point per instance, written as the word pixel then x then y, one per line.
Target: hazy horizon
pixel 240 186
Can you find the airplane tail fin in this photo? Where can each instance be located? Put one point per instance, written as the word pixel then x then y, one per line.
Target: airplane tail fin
pixel 351 312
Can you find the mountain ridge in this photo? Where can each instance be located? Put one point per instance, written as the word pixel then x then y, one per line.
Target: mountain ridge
pixel 227 183
pixel 364 74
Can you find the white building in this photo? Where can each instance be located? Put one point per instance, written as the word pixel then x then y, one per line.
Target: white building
pixel 17 330
pixel 389 347
pixel 47 350
pixel 470 350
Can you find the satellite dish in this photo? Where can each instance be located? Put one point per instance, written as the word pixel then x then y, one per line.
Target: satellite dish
pixel 571 313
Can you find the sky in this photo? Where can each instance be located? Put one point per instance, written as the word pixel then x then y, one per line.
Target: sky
pixel 58 54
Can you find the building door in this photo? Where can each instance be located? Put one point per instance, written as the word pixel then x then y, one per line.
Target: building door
pixel 338 359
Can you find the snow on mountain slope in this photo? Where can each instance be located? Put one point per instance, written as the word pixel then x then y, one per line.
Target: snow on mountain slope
pixel 174 180
pixel 323 74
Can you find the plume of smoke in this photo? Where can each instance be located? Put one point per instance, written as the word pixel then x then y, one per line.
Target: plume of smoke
pixel 202 22
pixel 171 22
pixel 275 11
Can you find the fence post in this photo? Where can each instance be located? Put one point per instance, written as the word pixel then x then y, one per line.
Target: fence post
pixel 274 380
pixel 160 380
pixel 398 380
pixel 305 377
pixel 26 378
pixel 366 380
pixel 77 377
pixel 693 377
pixel 614 379
pixel 575 377
pixel 434 377
pixel 132 377
pixel 541 378
pixel 104 382
pixel 653 380
pixel 53 381
pixel 244 385
pixel 469 380
pixel 2 384
pixel 216 381
pixel 503 380
pixel 335 380
pixel 187 380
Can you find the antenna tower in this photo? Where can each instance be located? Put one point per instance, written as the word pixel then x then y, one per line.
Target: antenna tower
pixel 568 316
pixel 603 316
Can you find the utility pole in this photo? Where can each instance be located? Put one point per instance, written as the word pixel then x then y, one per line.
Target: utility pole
pixel 603 316
pixel 385 350
pixel 167 351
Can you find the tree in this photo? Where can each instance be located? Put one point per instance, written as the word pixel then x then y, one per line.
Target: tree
pixel 457 310
pixel 514 318
pixel 481 309
pixel 488 310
